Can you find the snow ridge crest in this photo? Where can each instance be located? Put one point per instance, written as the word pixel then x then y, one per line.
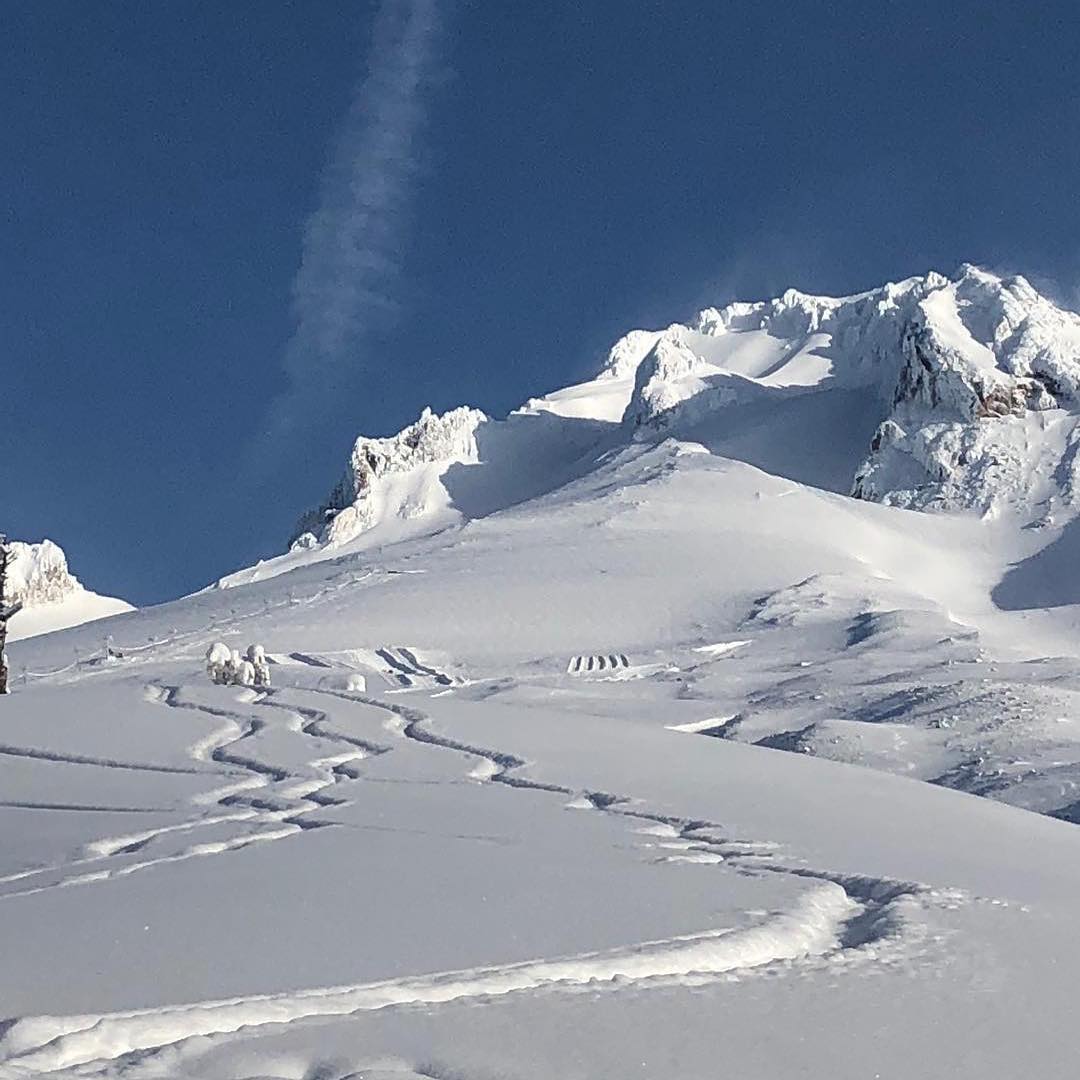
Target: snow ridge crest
pixel 972 383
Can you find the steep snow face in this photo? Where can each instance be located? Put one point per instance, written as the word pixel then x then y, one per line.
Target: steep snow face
pixel 606 396
pixel 973 384
pixel 793 342
pixel 985 408
pixel 52 598
pixel 402 478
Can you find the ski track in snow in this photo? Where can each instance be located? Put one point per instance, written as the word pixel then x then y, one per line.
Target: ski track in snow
pixel 686 835
pixel 597 663
pixel 813 927
pixel 92 808
pixel 406 669
pixel 399 665
pixel 85 759
pixel 273 816
pixel 836 914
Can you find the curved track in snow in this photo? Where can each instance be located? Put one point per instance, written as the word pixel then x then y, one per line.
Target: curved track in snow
pixel 265 800
pixel 834 915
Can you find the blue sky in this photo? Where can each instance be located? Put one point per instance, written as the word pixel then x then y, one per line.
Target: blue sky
pixel 188 350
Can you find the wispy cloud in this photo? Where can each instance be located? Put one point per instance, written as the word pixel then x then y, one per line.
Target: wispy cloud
pixel 344 289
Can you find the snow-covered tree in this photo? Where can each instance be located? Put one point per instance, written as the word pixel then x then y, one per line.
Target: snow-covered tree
pixel 217 660
pixel 6 610
pixel 256 656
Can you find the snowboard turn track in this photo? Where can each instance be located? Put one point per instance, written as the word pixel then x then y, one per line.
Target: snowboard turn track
pixel 834 915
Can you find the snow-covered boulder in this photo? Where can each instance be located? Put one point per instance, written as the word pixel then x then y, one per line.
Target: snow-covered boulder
pixel 245 673
pixel 218 661
pixel 260 666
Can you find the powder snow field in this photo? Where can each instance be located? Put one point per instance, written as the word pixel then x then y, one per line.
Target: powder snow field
pixel 662 768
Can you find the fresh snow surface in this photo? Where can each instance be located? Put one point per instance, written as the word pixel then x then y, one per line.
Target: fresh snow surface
pixel 52 597
pixel 639 749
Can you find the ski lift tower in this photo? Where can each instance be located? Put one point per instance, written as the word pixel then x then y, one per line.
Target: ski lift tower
pixel 6 610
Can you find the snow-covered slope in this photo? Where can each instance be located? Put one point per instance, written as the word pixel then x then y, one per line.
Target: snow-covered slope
pixel 957 395
pixel 493 818
pixel 52 597
pixel 614 738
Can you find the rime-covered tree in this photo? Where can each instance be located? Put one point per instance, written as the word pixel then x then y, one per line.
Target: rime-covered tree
pixel 6 610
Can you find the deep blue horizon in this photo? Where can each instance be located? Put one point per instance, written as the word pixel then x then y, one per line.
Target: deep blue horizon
pixel 531 184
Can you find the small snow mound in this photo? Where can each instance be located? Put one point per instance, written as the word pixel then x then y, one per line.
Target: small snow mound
pixel 484 770
pixel 580 802
pixel 154 694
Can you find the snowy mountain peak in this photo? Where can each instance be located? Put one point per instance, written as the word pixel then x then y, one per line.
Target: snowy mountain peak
pixel 934 392
pixel 627 353
pixel 52 597
pixel 975 380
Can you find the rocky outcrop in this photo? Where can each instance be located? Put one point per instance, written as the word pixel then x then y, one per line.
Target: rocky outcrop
pixel 38 574
pixel 357 501
pixel 984 406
